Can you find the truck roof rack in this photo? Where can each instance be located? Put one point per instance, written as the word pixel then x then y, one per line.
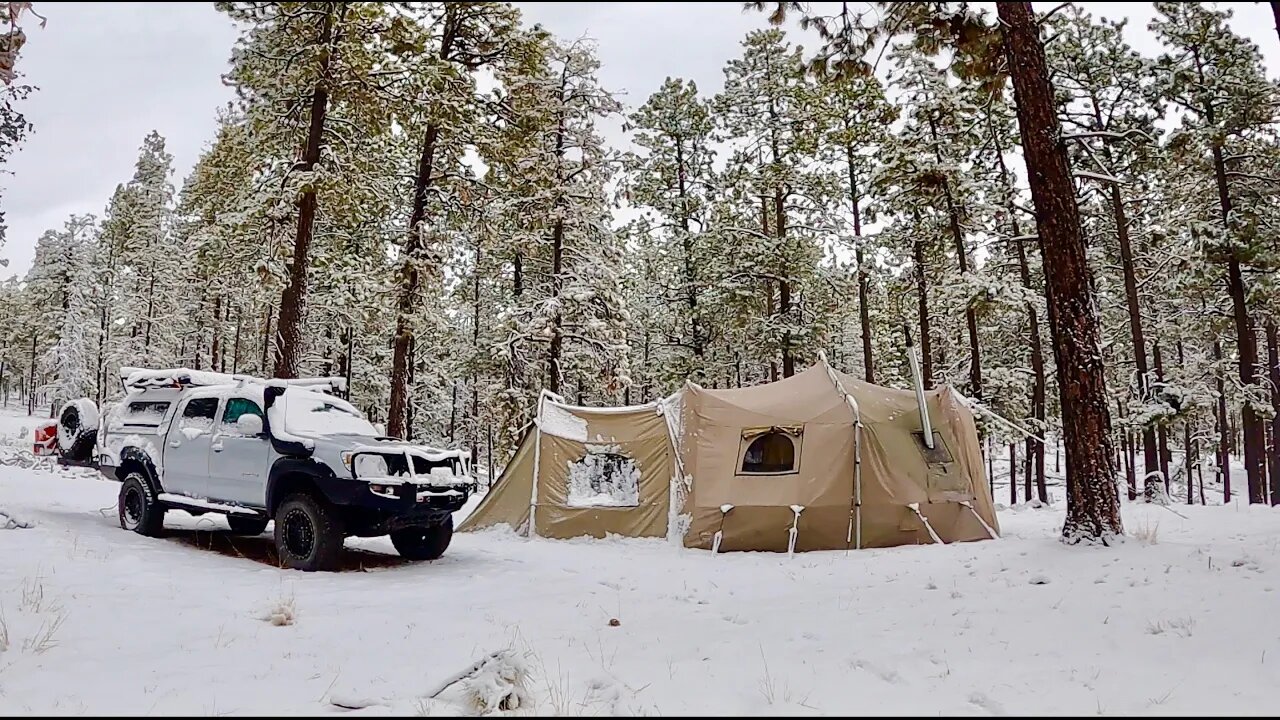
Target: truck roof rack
pixel 143 378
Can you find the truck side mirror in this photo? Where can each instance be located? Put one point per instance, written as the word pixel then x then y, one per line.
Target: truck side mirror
pixel 249 425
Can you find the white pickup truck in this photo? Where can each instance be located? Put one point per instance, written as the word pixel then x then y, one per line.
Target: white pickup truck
pixel 259 450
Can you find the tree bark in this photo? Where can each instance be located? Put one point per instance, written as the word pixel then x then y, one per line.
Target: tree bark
pixel 235 352
pixel 1224 430
pixel 556 346
pixel 784 283
pixel 1162 433
pixel 216 345
pixel 1273 370
pixel 1013 474
pixel 697 336
pixel 922 304
pixel 415 245
pixel 1149 452
pixel 31 383
pixel 1187 453
pixel 1093 505
pixel 1246 347
pixel 1246 338
pixel 864 313
pixel 475 347
pixel 962 257
pixel 293 302
pixel 1035 451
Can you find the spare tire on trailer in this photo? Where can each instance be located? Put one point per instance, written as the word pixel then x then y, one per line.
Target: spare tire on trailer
pixel 78 430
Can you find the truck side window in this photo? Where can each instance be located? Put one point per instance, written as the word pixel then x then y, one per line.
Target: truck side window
pixel 199 414
pixel 237 407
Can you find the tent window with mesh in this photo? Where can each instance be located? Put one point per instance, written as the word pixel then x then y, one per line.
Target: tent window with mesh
pixel 773 451
pixel 604 479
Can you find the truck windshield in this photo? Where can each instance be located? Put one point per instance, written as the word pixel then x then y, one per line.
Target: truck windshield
pixel 312 413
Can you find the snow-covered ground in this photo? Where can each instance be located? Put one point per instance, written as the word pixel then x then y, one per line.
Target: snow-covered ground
pixel 1180 619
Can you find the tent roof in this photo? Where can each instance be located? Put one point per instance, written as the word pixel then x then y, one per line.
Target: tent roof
pixel 810 396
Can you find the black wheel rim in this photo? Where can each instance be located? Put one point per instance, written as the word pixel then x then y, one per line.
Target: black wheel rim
pixel 132 506
pixel 299 535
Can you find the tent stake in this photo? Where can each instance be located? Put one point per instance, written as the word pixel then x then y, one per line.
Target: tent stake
pixel 915 507
pixel 715 542
pixel 794 532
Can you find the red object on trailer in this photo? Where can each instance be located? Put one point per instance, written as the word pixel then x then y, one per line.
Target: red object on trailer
pixel 46 439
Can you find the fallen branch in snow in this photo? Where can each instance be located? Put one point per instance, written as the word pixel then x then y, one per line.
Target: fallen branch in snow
pixel 494 683
pixel 9 521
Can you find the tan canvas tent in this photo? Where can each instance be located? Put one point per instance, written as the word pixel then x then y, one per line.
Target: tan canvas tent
pixel 820 460
pixel 586 471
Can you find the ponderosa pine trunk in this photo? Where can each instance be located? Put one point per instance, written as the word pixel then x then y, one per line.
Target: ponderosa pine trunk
pixel 697 336
pixel 414 250
pixel 1246 349
pixel 1035 451
pixel 555 350
pixel 784 284
pixel 1162 433
pixel 1246 337
pixel 922 306
pixel 235 353
pixel 1224 430
pixel 475 345
pixel 962 257
pixel 1187 452
pixel 293 302
pixel 1150 458
pixel 1093 504
pixel 864 314
pixel 1273 371
pixel 216 346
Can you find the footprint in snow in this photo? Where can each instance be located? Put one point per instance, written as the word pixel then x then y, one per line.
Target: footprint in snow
pixel 986 703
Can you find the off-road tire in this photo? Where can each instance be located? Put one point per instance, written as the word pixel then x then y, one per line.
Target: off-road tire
pixel 137 507
pixel 423 543
pixel 308 533
pixel 70 423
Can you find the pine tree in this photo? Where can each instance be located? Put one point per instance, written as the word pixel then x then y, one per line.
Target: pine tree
pixel 769 106
pixel 566 324
pixel 856 130
pixel 1216 77
pixel 673 179
pixel 454 41
pixel 59 286
pixel 298 64
pixel 1110 112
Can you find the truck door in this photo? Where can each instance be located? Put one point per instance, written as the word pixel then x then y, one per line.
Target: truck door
pixel 186 452
pixel 240 459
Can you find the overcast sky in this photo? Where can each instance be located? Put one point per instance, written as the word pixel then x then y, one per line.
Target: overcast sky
pixel 108 73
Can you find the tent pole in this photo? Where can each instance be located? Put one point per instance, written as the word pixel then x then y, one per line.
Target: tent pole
pixel 854 534
pixel 857 485
pixel 537 458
